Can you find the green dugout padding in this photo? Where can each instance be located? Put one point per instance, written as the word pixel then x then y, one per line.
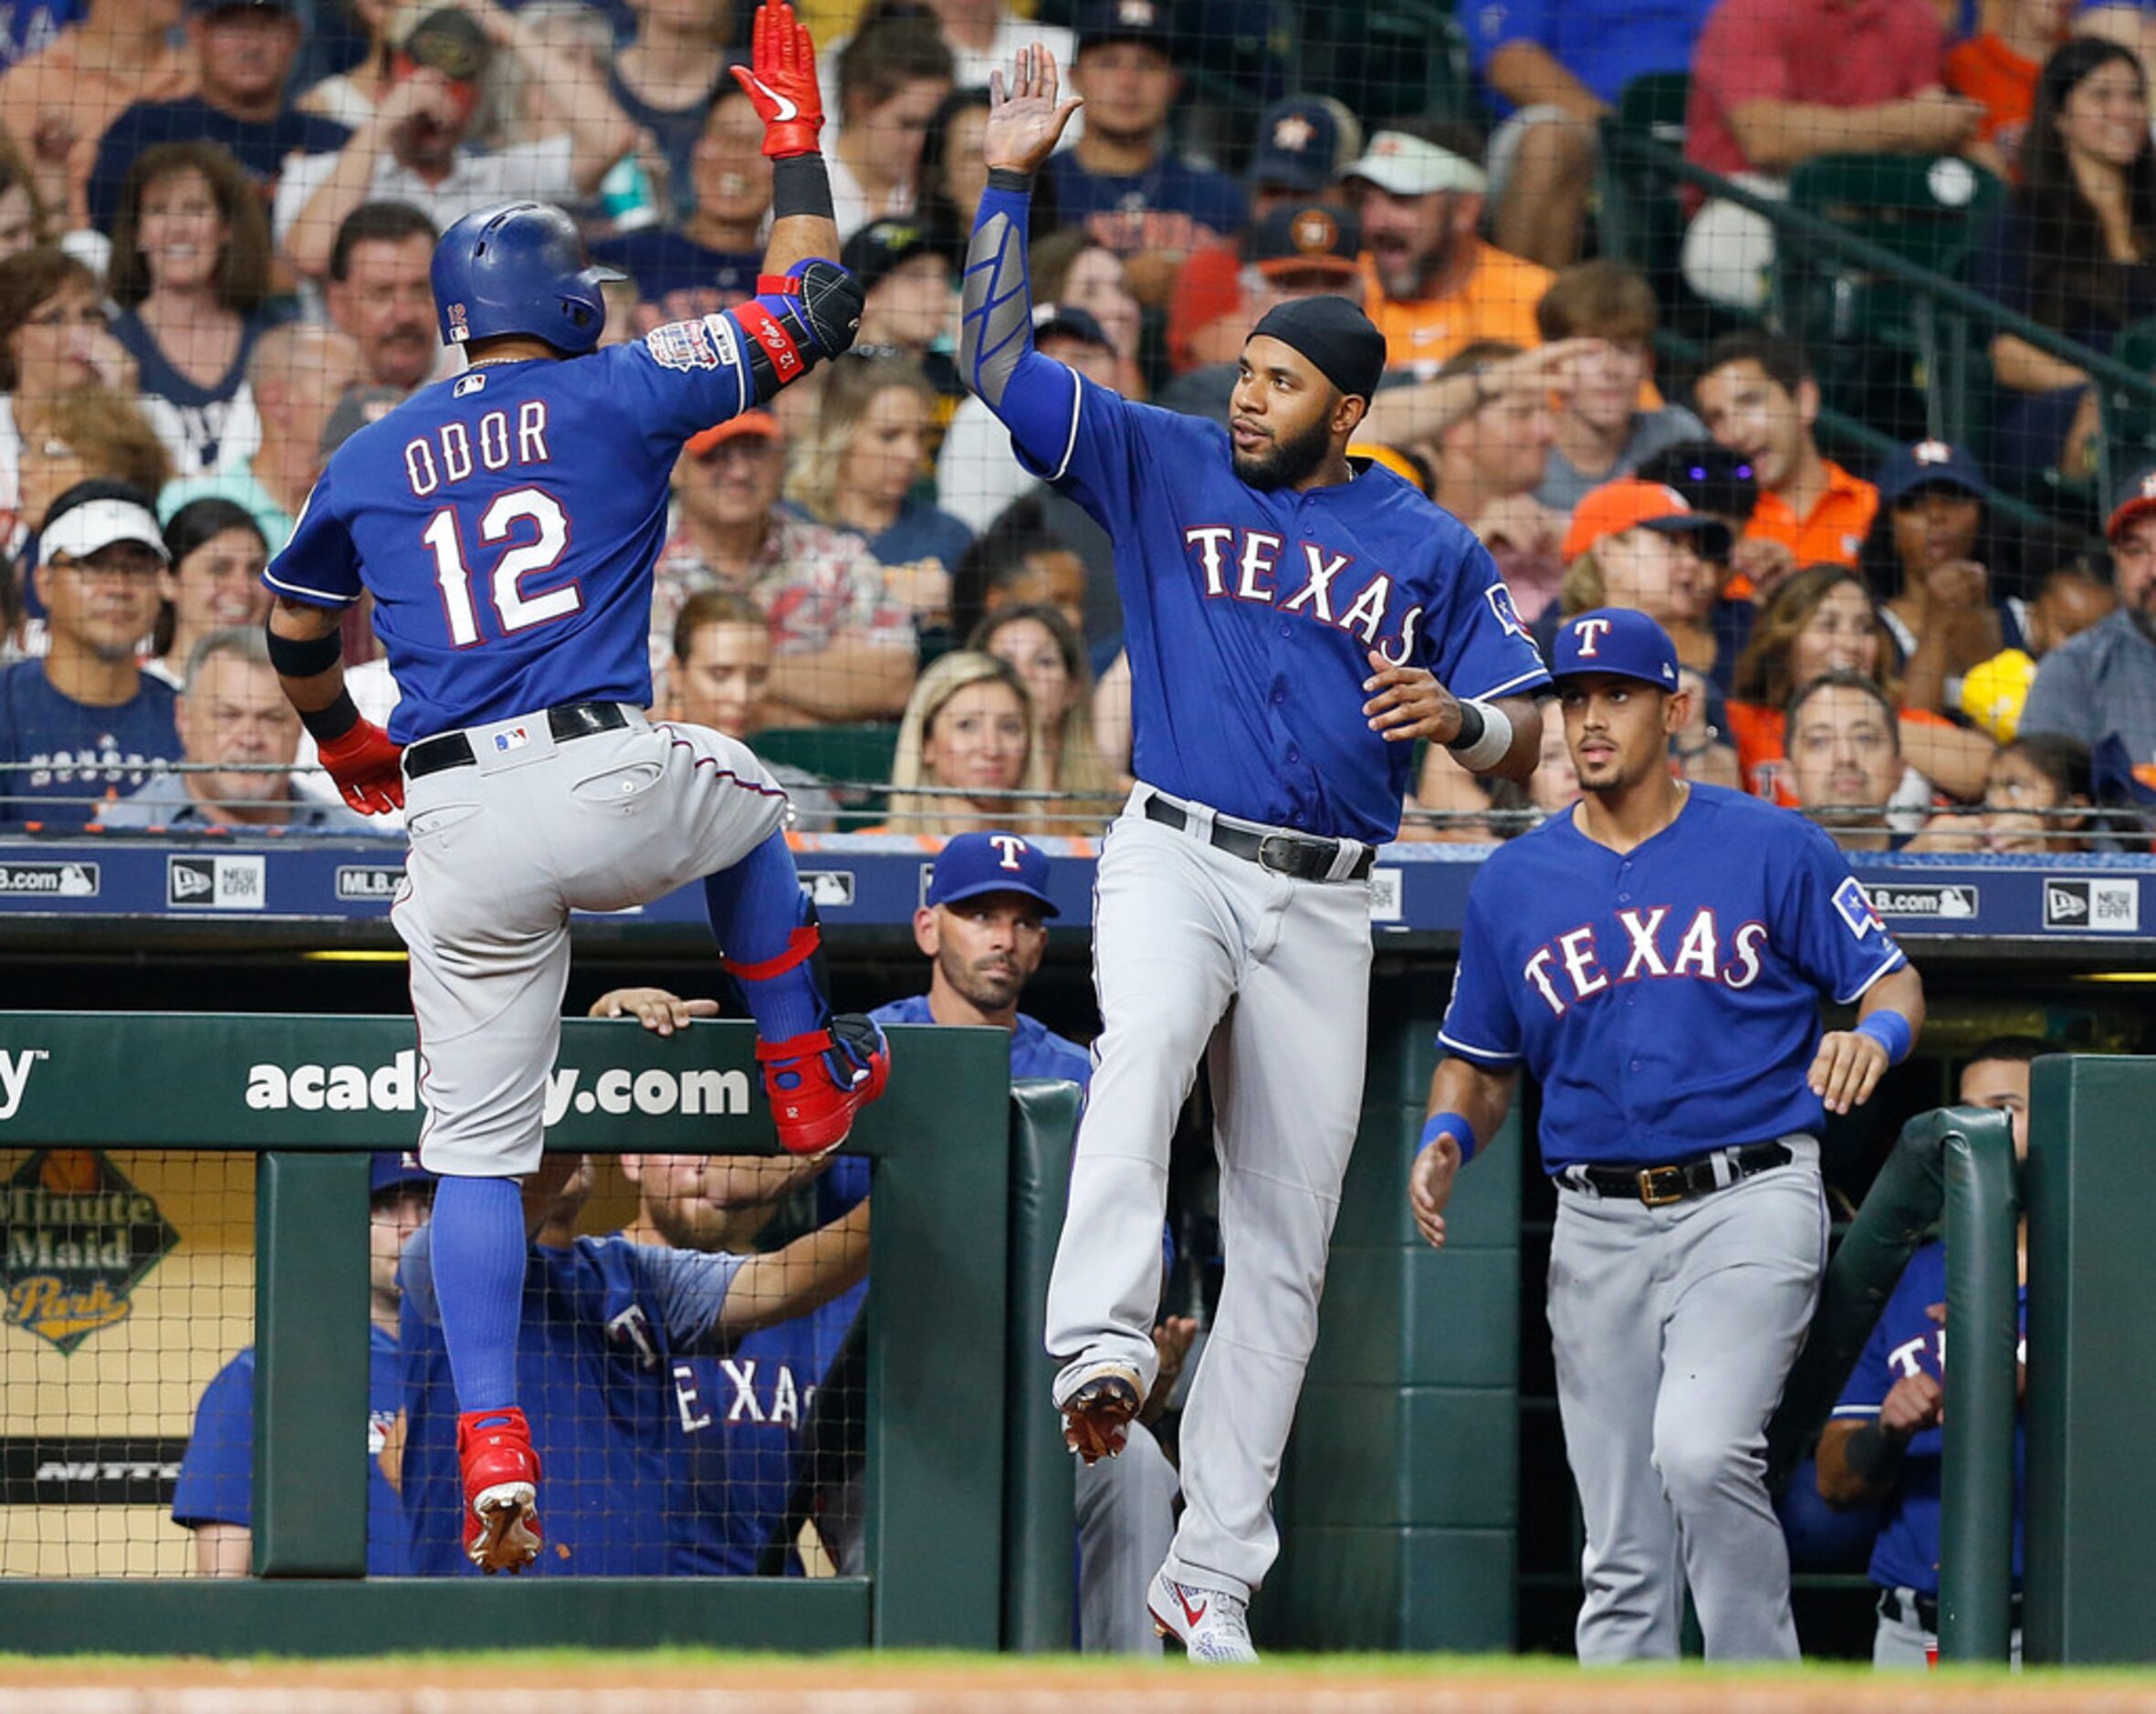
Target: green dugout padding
pixel 1950 1172
pixel 1040 1596
pixel 1398 1505
pixel 2091 1577
pixel 311 1094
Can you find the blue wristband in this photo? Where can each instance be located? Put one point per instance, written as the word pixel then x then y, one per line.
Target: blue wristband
pixel 1462 1133
pixel 1890 1030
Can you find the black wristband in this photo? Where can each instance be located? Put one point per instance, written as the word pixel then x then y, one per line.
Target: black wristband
pixel 1010 179
pixel 1874 1457
pixel 801 184
pixel 1472 727
pixel 296 657
pixel 326 725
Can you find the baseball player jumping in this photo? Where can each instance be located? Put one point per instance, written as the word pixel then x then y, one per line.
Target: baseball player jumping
pixel 1295 620
pixel 1655 956
pixel 506 522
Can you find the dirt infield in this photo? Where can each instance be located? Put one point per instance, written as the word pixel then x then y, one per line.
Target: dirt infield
pixel 582 1684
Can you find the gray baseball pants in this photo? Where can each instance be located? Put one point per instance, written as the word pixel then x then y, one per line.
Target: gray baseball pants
pixel 1902 1643
pixel 1127 1518
pixel 1196 951
pixel 1674 1328
pixel 502 851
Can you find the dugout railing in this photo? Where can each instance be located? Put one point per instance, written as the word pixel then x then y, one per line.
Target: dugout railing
pixel 942 1382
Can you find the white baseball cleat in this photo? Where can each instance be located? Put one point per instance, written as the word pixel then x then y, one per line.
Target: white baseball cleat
pixel 1214 1625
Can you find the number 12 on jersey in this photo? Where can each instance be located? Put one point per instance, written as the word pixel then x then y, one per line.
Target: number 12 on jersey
pixel 514 611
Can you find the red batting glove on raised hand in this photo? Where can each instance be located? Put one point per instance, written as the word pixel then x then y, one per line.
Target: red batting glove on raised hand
pixel 367 769
pixel 782 82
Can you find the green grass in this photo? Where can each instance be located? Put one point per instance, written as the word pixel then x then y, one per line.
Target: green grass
pixel 1372 1665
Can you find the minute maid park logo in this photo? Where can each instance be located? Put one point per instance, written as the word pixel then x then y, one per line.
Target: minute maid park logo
pixel 76 1239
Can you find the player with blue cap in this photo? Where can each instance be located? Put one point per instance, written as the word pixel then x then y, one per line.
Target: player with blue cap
pixel 1655 956
pixel 983 924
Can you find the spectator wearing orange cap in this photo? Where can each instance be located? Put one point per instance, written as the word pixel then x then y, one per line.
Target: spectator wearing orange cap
pixel 1640 545
pixel 840 650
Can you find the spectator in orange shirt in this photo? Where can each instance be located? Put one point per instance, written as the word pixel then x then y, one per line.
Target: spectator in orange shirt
pixel 1757 397
pixel 1823 621
pixel 1435 286
pixel 1999 68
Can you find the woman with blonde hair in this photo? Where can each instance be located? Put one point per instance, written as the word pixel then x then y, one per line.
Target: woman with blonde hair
pixel 1036 641
pixel 855 467
pixel 964 743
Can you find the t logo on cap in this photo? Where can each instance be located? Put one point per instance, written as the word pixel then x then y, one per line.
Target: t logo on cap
pixel 1011 846
pixel 1590 632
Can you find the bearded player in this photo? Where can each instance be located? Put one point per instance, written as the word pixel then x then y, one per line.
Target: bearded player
pixel 1296 620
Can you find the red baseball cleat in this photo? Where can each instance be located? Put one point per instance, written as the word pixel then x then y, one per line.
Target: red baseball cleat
pixel 817 1082
pixel 501 1473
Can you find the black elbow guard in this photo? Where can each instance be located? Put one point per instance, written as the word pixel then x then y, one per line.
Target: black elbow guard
pixel 831 302
pixel 812 311
pixel 296 658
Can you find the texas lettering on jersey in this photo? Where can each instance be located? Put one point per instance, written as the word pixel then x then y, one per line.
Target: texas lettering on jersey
pixel 1574 967
pixel 1251 565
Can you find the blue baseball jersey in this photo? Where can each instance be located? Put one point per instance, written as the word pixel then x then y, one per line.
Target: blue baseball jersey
pixel 1666 998
pixel 741 1418
pixel 1906 1341
pixel 217 1472
pixel 664 1446
pixel 1249 614
pixel 505 521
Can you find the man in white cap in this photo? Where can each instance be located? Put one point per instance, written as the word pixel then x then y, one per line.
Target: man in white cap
pixel 1435 286
pixel 86 722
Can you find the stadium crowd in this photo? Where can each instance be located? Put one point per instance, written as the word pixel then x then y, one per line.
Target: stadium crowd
pixel 216 218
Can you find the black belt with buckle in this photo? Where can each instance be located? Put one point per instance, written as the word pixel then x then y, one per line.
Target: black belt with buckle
pixel 1659 1185
pixel 566 721
pixel 1926 1608
pixel 1295 855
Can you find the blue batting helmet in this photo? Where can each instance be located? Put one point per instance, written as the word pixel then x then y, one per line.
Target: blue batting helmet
pixel 519 267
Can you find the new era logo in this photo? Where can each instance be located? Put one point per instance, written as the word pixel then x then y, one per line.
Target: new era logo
pixel 2099 904
pixel 216 883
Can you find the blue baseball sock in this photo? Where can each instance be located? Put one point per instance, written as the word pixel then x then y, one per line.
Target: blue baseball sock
pixel 478 1260
pixel 756 908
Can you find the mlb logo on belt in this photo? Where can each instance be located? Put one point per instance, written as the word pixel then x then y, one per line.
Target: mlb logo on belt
pixel 515 738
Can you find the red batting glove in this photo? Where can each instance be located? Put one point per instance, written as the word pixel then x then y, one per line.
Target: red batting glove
pixel 782 82
pixel 367 767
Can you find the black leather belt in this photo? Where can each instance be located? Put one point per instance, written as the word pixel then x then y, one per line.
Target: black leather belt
pixel 1295 855
pixel 1659 1186
pixel 566 721
pixel 1924 1608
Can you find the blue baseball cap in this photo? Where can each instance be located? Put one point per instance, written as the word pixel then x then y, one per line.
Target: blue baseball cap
pixel 1928 464
pixel 393 1170
pixel 1302 143
pixel 1619 640
pixel 973 864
